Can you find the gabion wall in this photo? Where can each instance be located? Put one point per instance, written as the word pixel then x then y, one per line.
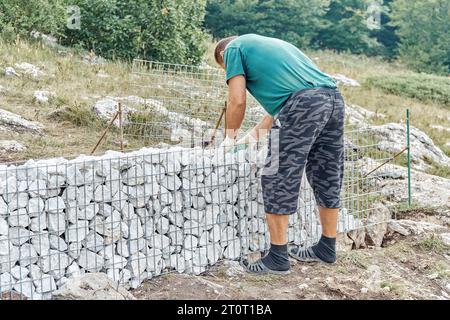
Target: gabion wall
pixel 134 216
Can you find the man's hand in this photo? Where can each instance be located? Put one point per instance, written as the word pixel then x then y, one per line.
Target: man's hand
pixel 251 139
pixel 227 144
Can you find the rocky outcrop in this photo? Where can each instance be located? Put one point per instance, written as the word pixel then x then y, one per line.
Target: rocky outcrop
pixel 359 116
pixel 345 81
pixel 92 286
pixel 392 138
pixel 10 146
pixel 12 122
pixel 29 69
pixel 43 96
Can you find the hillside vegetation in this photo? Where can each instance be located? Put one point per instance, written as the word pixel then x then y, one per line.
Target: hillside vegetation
pixel 78 84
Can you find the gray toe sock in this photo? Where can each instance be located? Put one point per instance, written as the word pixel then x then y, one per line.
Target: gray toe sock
pixel 277 258
pixel 325 249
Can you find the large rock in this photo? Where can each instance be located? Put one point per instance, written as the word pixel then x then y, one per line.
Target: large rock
pixel 107 107
pixel 344 80
pixel 29 69
pixel 12 122
pixel 92 286
pixel 392 138
pixel 11 146
pixel 377 224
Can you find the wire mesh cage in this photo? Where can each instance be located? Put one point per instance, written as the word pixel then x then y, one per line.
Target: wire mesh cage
pixel 180 208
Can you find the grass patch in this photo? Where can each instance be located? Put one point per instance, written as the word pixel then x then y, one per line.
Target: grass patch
pixel 433 243
pixel 423 87
pixel 78 114
pixel 354 258
pixel 442 270
pixel 442 171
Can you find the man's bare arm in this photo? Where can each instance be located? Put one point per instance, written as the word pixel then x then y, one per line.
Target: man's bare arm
pixel 263 127
pixel 237 95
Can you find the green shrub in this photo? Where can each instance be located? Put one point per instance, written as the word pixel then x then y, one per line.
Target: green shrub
pixel 20 17
pixel 424 87
pixel 163 30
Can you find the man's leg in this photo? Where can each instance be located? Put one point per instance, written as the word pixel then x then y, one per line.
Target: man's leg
pixel 328 220
pixel 324 169
pixel 297 126
pixel 278 225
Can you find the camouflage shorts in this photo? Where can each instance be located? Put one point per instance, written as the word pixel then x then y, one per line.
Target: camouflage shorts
pixel 307 135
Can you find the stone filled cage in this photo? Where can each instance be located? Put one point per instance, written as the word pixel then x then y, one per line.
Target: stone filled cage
pixel 176 207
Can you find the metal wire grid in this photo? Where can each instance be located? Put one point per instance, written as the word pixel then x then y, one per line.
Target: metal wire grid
pixel 136 216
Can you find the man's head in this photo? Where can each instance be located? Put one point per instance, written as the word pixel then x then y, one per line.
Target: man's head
pixel 220 49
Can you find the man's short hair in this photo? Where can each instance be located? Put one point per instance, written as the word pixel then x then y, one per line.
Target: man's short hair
pixel 221 47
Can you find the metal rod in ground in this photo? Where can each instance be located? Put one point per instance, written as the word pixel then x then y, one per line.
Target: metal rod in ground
pixel 386 162
pixel 408 146
pixel 104 132
pixel 121 127
pixel 219 121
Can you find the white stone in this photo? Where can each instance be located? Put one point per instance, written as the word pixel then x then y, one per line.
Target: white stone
pixel 41 243
pixel 162 225
pixel 177 262
pixel 29 69
pixel 45 284
pixel 25 287
pixel 3 227
pixel 90 261
pixel 19 272
pixel 190 242
pixel 36 207
pixel 137 264
pixel 74 270
pixel 55 205
pixel 116 262
pixel 28 255
pixel 42 96
pixel 133 176
pixel 19 236
pixel 135 229
pixel 19 218
pixel 193 227
pixel 18 201
pixel 57 243
pixel 160 242
pixel 77 232
pixel 213 253
pixel 6 282
pixel 54 263
pixel 93 242
pixel 10 72
pixel 200 258
pixel 176 235
pixel 39 224
pixel 165 196
pixel 88 212
pixel 10 146
pixel 171 182
pixel 56 223
pixel 233 250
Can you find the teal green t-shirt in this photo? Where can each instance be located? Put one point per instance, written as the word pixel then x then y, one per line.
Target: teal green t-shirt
pixel 274 69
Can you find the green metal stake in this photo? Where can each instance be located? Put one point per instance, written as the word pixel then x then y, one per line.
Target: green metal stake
pixel 408 156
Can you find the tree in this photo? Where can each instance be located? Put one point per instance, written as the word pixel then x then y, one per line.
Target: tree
pixel 295 21
pixel 346 28
pixel 20 17
pixel 423 28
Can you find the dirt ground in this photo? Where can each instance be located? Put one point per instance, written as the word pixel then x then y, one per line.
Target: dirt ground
pixel 413 267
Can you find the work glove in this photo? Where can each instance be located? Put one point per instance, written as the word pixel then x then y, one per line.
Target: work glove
pixel 249 141
pixel 227 144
